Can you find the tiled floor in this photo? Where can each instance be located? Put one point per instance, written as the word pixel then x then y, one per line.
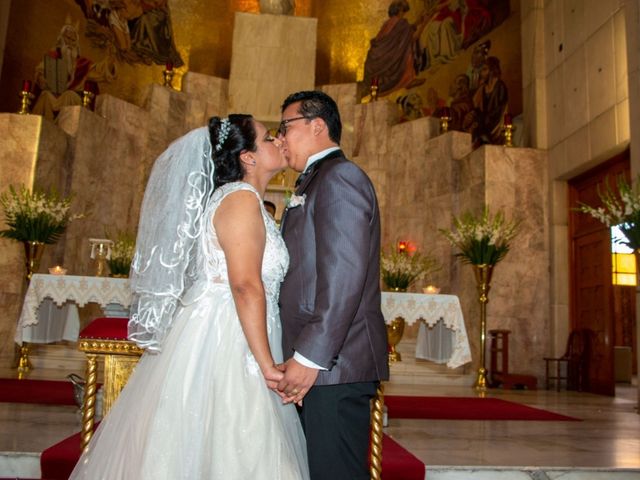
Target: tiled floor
pixel 608 437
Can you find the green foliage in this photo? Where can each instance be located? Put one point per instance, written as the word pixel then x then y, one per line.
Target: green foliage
pixel 399 269
pixel 621 209
pixel 482 240
pixel 35 216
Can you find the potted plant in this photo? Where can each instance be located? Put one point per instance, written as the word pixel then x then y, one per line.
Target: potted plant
pixel 482 240
pixel 402 265
pixel 35 218
pixel 122 253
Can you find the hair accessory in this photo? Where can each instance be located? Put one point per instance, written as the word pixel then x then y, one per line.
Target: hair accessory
pixel 223 133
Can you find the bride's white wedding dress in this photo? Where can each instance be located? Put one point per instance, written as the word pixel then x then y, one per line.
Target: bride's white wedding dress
pixel 201 408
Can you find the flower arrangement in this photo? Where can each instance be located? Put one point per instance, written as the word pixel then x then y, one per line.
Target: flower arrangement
pixel 400 267
pixel 122 253
pixel 482 240
pixel 36 216
pixel 622 209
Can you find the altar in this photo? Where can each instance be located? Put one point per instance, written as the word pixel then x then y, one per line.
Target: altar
pixel 442 336
pixel 50 309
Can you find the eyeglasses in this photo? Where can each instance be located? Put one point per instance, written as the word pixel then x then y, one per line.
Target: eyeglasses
pixel 282 128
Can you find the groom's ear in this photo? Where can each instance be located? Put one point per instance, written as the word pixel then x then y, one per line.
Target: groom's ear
pixel 318 126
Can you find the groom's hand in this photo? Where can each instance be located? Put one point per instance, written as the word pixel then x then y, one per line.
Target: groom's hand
pixel 296 382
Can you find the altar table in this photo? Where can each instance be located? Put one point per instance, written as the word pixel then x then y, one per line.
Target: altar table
pixel 442 335
pixel 50 309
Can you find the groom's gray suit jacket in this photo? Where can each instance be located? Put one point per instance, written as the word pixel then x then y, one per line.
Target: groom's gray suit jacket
pixel 330 297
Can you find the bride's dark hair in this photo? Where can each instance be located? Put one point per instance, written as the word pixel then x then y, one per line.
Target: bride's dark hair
pixel 227 143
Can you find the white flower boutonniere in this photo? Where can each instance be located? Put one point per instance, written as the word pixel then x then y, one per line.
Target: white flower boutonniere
pixel 296 200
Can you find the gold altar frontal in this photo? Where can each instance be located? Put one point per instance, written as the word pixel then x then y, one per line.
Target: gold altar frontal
pixel 120 358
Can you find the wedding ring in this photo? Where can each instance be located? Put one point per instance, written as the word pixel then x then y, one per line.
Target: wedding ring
pixel 294 391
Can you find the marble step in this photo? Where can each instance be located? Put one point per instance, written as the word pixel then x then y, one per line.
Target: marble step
pixel 27 465
pixel 63 358
pixel 412 371
pixel 529 473
pixel 54 361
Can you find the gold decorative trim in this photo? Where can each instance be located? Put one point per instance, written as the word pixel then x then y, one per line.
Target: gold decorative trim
pixel 375 465
pixel 112 347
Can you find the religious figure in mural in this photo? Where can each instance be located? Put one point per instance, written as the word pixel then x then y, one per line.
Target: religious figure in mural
pixel 461 106
pixel 478 57
pixel 490 104
pixel 392 55
pixel 139 29
pixel 455 25
pixel 442 36
pixel 61 76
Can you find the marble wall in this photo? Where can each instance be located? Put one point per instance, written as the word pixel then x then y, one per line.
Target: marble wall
pixel 577 62
pixel 273 55
pixel 423 177
pixel 33 154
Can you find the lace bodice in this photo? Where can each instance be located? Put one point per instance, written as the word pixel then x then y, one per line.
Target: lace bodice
pixel 275 261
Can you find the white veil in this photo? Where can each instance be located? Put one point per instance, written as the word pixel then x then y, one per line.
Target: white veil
pixel 168 254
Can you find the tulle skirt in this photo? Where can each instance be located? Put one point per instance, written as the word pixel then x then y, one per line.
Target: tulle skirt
pixel 200 409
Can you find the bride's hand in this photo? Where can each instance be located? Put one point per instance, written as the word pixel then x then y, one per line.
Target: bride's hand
pixel 272 376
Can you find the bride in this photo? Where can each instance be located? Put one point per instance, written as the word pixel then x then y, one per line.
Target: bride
pixel 206 277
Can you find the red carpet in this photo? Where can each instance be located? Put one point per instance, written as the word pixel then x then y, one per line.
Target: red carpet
pixel 398 463
pixel 50 392
pixel 465 408
pixel 57 461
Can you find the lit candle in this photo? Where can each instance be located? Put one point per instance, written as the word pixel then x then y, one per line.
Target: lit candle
pixel 431 289
pixel 57 270
pixel 402 246
pixel 508 121
pixel 169 66
pixel 26 86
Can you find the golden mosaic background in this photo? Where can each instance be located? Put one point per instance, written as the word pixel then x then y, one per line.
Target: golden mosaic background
pixel 203 34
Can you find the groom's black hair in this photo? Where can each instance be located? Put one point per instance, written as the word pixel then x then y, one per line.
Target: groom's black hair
pixel 316 104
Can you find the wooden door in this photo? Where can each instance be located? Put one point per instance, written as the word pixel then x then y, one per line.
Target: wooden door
pixel 591 289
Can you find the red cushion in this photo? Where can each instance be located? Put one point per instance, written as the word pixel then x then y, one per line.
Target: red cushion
pixel 109 328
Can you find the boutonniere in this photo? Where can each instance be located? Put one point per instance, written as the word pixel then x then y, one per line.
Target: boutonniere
pixel 296 200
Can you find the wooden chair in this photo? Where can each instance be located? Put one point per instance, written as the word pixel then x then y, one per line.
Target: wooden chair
pixel 105 337
pixel 572 366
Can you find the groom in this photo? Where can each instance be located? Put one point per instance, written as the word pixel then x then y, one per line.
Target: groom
pixel 334 336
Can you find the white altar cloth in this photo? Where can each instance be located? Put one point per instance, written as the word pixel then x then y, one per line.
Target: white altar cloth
pixel 67 292
pixel 434 310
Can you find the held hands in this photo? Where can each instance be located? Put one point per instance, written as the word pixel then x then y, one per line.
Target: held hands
pixel 272 375
pixel 296 381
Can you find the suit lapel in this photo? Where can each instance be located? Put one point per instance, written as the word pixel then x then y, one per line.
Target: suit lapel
pixel 313 171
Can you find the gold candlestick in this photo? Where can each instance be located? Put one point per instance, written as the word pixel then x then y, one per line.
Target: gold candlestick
pixel 508 135
pixel 445 118
pixel 25 102
pixel 168 78
pixel 101 252
pixel 87 98
pixel 374 93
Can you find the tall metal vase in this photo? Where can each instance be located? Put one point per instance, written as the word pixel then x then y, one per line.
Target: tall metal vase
pixel 33 254
pixel 483 274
